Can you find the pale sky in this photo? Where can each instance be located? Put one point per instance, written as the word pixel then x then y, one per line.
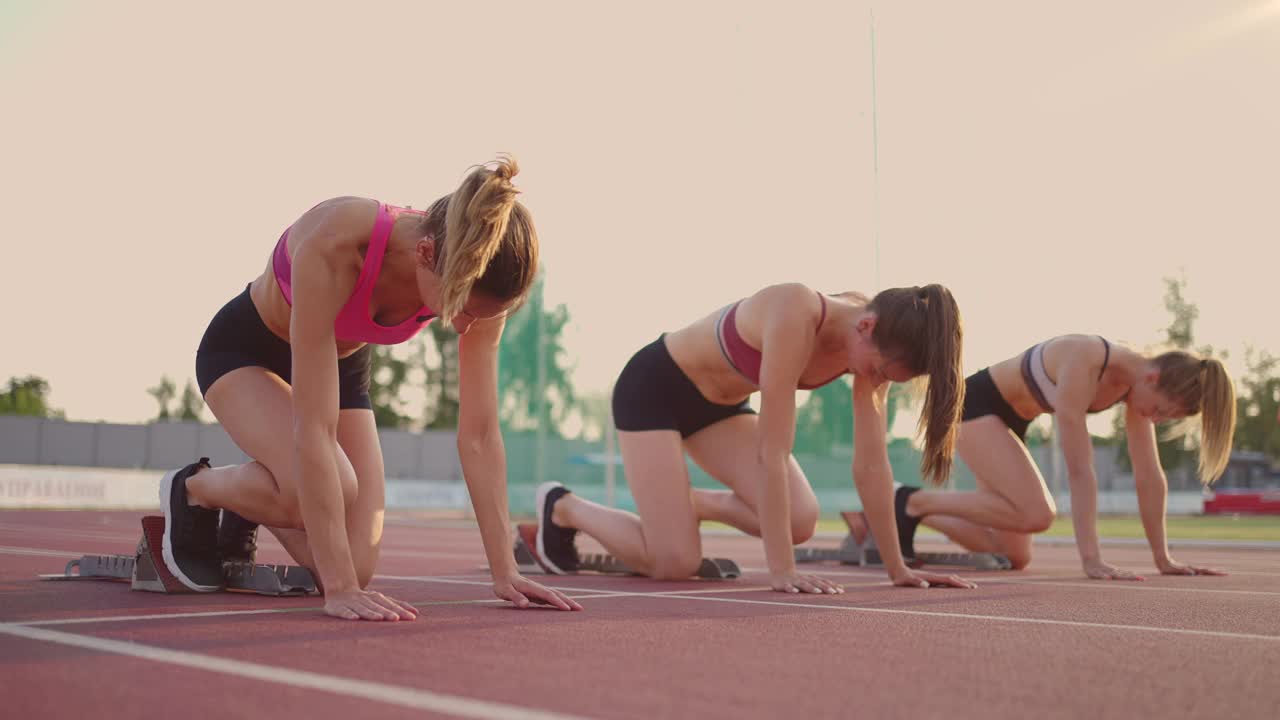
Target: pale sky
pixel 1050 162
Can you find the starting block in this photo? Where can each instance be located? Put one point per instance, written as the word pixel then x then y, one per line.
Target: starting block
pixel 145 570
pixel 859 548
pixel 526 538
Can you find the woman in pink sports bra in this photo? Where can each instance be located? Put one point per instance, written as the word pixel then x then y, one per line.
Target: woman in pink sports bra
pixel 285 368
pixel 687 392
pixel 1072 376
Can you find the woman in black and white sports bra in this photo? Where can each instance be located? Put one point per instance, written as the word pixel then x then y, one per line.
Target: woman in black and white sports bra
pixel 1072 376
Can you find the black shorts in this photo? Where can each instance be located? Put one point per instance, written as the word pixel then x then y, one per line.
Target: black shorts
pixel 237 337
pixel 653 393
pixel 982 397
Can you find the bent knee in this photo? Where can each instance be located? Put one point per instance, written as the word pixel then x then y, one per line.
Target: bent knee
pixel 1038 519
pixel 803 526
pixel 805 512
pixel 1020 559
pixel 675 566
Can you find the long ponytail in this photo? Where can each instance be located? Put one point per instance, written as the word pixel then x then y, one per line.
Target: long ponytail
pixel 1203 386
pixel 921 328
pixel 485 239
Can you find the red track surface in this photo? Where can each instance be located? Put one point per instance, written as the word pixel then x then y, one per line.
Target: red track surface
pixel 1040 643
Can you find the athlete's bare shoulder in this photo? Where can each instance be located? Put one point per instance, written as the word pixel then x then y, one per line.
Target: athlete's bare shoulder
pixel 339 224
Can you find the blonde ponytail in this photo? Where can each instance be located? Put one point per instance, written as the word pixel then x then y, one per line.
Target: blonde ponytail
pixel 1217 421
pixel 1205 387
pixel 484 240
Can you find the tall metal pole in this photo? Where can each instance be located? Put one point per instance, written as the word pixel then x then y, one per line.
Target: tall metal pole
pixel 539 458
pixel 875 155
pixel 1055 455
pixel 610 449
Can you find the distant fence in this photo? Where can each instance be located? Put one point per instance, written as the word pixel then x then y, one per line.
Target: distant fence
pixel 168 445
pixel 56 463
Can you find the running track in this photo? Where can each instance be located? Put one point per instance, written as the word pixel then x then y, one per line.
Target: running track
pixel 1043 643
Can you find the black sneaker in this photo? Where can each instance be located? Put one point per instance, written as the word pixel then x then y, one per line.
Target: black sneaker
pixel 555 552
pixel 237 539
pixel 190 533
pixel 906 524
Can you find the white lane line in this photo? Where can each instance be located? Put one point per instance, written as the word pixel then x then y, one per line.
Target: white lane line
pixel 432 554
pixel 601 593
pixel 452 580
pixel 68 532
pixel 973 616
pixel 978 577
pixel 598 593
pixel 414 698
pixel 705 591
pixel 41 552
pixel 229 613
pixel 1125 585
pixel 930 613
pixel 152 616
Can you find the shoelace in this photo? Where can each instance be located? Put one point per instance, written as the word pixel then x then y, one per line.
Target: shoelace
pixel 237 535
pixel 202 531
pixel 563 543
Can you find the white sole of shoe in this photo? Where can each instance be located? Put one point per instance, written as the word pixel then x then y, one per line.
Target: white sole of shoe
pixel 166 493
pixel 540 498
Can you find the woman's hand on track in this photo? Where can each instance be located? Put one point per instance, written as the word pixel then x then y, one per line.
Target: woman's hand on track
pixel 367 605
pixel 523 592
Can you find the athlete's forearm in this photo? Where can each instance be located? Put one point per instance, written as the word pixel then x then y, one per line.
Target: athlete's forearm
pixel 775 517
pixel 1153 493
pixel 323 510
pixel 1077 449
pixel 484 466
pixel 1084 513
pixel 874 482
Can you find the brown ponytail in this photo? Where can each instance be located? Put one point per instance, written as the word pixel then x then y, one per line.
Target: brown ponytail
pixel 485 240
pixel 1202 386
pixel 921 328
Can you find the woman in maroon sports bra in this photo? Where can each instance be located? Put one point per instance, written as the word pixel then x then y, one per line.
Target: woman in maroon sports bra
pixel 687 393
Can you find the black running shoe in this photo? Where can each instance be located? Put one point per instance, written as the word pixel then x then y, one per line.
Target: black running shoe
pixel 906 524
pixel 190 533
pixel 237 539
pixel 555 552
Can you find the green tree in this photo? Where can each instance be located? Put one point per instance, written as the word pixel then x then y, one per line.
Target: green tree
pixel 1180 332
pixel 164 394
pixel 595 413
pixel 191 404
pixel 389 370
pixel 1257 423
pixel 1180 450
pixel 903 396
pixel 1038 434
pixel 28 396
pixel 825 420
pixel 533 394
pixel 442 379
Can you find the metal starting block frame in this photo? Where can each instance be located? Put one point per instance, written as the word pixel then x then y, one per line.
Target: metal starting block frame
pixel 859 548
pixel 710 569
pixel 145 570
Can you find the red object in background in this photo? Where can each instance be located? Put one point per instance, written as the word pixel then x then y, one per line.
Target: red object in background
pixel 1254 502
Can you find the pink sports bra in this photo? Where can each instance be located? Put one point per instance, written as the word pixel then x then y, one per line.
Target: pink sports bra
pixel 354 324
